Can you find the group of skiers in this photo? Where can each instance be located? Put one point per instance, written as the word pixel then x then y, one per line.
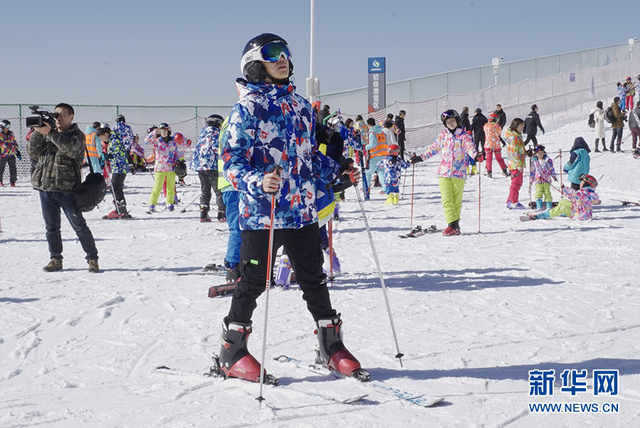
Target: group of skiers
pixel 621 110
pixel 459 153
pixel 277 165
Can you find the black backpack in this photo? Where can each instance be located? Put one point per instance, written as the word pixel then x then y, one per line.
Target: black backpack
pixel 609 116
pixel 90 192
pixel 592 121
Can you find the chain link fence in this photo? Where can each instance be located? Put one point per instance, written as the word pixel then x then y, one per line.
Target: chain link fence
pixel 556 83
pixel 188 120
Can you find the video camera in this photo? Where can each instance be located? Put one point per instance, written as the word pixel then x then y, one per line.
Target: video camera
pixel 43 116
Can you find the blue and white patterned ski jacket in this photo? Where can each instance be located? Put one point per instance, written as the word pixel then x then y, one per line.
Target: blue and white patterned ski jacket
pixel 205 155
pixel 392 170
pixel 272 125
pixel 126 134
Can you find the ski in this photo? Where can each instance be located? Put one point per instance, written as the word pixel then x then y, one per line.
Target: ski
pixel 213 267
pixel 533 205
pixel 222 290
pixel 216 372
pixel 332 394
pixel 528 217
pixel 627 202
pixel 126 217
pixel 415 230
pixel 419 231
pixel 202 272
pixel 418 399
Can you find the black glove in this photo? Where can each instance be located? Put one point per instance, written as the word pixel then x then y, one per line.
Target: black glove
pixel 478 157
pixel 415 159
pixel 18 155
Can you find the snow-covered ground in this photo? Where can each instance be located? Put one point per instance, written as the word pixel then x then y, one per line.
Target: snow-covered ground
pixel 474 314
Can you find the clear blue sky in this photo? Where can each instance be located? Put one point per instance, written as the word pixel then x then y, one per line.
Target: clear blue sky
pixel 187 52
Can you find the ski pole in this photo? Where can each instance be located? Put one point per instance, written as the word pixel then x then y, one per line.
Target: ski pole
pixel 479 193
pixel 268 286
pixel 330 233
pixel 188 205
pixel 113 193
pixel 413 176
pixel 530 166
pixel 399 355
pixel 404 182
pixel 561 168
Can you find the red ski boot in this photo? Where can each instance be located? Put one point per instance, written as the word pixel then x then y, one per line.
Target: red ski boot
pixel 235 359
pixel 333 354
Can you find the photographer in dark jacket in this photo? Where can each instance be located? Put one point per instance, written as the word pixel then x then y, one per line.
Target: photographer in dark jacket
pixel 477 126
pixel 402 136
pixel 531 125
pixel 59 152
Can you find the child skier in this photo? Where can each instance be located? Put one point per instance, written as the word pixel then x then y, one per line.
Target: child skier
pixel 579 203
pixel 579 162
pixel 542 172
pixel 117 155
pixel 166 155
pixel 270 155
pixel 515 156
pixel 622 94
pixel 393 167
pixel 455 144
pixel 492 131
pixel 8 152
pixel 205 162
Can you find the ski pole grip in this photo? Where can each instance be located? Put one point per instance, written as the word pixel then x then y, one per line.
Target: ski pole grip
pixel 274 169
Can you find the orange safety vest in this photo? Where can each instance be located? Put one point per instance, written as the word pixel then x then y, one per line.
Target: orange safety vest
pixel 91 145
pixel 382 149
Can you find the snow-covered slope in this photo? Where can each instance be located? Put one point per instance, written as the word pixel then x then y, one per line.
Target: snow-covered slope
pixel 474 314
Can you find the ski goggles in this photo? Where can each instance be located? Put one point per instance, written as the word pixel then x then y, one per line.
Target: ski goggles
pixel 5 125
pixel 271 52
pixel 449 114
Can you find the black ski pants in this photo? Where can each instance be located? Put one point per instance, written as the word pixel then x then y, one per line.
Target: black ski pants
pixel 478 139
pixel 117 187
pixel 532 138
pixel 13 172
pixel 208 181
pixel 303 247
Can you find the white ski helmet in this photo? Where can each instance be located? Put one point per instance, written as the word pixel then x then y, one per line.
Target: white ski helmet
pixel 265 47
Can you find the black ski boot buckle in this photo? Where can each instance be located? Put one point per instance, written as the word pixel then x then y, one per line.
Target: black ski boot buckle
pixel 215 370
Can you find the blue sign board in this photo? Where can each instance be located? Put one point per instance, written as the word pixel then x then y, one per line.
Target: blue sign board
pixel 376 65
pixel 377 88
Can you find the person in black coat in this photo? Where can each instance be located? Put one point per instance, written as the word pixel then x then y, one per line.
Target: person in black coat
pixel 402 137
pixel 477 126
pixel 531 125
pixel 502 121
pixel 464 119
pixel 502 116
